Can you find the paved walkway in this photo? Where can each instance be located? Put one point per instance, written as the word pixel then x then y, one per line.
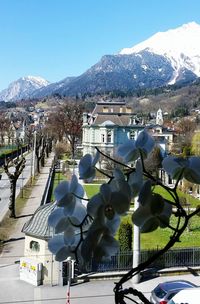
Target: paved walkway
pixel 14 248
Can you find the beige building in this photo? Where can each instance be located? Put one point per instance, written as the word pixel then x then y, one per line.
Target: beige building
pixel 37 233
pixel 38 260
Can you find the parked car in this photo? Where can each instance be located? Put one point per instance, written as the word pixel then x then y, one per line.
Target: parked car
pixel 188 296
pixel 166 290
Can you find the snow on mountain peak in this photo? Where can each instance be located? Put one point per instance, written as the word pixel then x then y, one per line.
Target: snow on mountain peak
pixel 181 46
pixel 36 79
pixel 23 88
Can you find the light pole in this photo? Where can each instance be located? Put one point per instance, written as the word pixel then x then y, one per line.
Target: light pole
pixel 136 246
pixel 33 156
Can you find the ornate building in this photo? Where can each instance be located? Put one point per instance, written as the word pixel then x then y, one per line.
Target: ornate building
pixel 109 125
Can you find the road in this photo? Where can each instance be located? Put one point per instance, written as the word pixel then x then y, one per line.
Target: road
pixel 5 185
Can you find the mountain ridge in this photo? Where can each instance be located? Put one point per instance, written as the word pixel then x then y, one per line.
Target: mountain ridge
pixel 22 88
pixel 165 58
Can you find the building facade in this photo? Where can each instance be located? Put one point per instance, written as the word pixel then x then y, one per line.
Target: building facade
pixel 108 126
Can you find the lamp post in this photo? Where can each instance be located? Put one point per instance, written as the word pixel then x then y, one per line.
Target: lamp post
pixel 33 156
pixel 136 246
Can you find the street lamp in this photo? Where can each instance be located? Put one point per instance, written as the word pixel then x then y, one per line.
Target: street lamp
pixel 33 156
pixel 136 246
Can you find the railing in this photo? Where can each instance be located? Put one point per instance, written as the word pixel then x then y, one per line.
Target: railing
pixel 13 154
pixel 48 188
pixel 180 257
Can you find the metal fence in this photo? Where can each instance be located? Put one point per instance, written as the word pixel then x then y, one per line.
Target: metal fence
pixel 188 257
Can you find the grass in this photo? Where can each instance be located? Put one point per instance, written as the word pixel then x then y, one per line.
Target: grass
pixel 91 189
pixel 59 177
pixel 194 202
pixel 159 237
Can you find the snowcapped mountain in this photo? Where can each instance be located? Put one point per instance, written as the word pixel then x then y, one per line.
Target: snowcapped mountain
pixel 22 88
pixel 165 58
pixel 181 46
pixel 52 88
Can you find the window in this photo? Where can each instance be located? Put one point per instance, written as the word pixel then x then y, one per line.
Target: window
pixel 109 137
pixel 128 110
pixel 132 135
pixel 102 138
pixel 35 246
pixel 105 109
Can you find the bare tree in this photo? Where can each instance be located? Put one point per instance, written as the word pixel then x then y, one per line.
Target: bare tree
pixel 66 122
pixel 4 126
pixel 18 165
pixel 153 161
pixel 40 150
pixel 186 128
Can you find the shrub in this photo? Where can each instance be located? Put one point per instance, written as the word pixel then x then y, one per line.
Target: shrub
pixel 125 237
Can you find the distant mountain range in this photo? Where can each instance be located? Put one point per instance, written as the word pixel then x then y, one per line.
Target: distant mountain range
pixel 23 88
pixel 165 58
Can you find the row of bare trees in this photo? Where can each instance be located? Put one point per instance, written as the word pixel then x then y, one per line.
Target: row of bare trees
pixel 65 123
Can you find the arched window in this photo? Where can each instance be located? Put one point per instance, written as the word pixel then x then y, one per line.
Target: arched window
pixel 109 136
pixel 35 246
pixel 132 135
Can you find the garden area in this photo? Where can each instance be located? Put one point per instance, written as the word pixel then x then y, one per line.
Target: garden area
pixel 158 238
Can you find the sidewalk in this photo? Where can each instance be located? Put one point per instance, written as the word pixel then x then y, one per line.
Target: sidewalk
pixel 14 248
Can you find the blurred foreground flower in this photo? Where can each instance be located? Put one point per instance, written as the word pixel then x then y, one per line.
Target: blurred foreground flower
pixel 66 194
pixel 131 149
pixel 153 211
pixel 178 168
pixel 112 198
pixel 135 180
pixel 63 245
pixel 87 167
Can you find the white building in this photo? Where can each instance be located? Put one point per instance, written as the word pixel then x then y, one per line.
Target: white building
pixel 109 125
pixel 36 252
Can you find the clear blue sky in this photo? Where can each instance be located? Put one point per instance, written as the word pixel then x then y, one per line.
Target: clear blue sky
pixel 59 38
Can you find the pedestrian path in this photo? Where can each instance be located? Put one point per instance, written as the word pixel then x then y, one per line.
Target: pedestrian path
pixel 14 247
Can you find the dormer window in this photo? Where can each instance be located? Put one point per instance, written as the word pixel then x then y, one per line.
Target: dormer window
pixel 128 110
pixel 105 109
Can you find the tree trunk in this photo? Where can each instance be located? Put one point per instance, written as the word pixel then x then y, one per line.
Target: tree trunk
pixel 38 165
pixel 42 161
pixel 11 205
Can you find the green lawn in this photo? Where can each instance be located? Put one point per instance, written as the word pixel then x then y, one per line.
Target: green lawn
pixel 59 177
pixel 189 199
pixel 158 238
pixel 91 189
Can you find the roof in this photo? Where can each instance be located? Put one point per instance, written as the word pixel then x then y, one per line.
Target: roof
pixel 116 108
pixel 38 226
pixel 120 120
pixel 110 113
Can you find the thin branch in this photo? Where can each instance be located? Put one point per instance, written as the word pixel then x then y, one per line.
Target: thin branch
pixel 114 160
pixel 105 174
